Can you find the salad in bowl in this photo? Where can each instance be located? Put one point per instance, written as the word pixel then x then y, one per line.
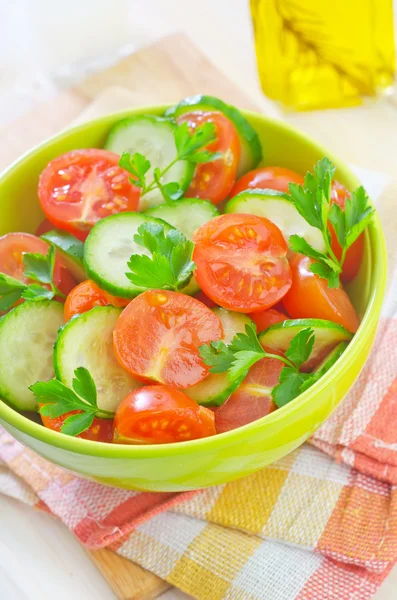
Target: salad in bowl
pixel 182 287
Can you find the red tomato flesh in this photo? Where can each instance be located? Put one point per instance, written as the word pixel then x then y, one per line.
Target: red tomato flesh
pixel 214 180
pixel 86 295
pixel 355 253
pixel 101 430
pixel 157 414
pixel 12 248
pixel 253 399
pixel 310 297
pixel 81 187
pixel 44 227
pixel 242 262
pixel 264 319
pixel 273 178
pixel 158 335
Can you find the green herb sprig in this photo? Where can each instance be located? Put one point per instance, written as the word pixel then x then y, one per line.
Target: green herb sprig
pixel 190 146
pixel 169 266
pixel 57 399
pixel 313 202
pixel 245 350
pixel 39 268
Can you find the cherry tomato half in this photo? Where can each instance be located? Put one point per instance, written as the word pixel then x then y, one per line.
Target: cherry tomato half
pixel 253 399
pixel 242 262
pixel 310 297
pixel 158 335
pixel 86 295
pixel 354 255
pixel 101 430
pixel 273 178
pixel 81 187
pixel 12 248
pixel 157 414
pixel 268 317
pixel 44 227
pixel 214 180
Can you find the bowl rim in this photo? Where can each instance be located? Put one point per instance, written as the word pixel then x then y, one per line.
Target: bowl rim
pixel 109 450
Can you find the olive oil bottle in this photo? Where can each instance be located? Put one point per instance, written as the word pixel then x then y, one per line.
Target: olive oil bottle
pixel 315 54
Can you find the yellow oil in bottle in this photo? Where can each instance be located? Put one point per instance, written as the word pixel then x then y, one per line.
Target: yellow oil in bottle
pixel 324 53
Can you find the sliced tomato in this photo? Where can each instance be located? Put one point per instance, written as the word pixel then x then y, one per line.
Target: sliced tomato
pixel 310 297
pixel 86 295
pixel 268 317
pixel 158 335
pixel 44 227
pixel 355 253
pixel 12 248
pixel 158 414
pixel 273 178
pixel 242 262
pixel 253 399
pixel 101 430
pixel 214 180
pixel 205 300
pixel 81 187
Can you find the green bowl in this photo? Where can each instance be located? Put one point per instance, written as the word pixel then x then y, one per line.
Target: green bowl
pixel 222 458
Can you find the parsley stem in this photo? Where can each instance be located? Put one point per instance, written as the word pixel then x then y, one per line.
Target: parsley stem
pixel 104 414
pixel 278 357
pixel 154 183
pixel 343 257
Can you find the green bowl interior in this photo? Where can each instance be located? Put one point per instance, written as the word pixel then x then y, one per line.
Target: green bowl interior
pixel 282 146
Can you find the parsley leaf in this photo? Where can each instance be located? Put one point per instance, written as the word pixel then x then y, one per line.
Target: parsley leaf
pixel 137 165
pixel 10 291
pixel 301 346
pixel 188 144
pixel 170 265
pixel 245 350
pixel 40 267
pixel 36 292
pixel 313 202
pixel 65 241
pixel 57 399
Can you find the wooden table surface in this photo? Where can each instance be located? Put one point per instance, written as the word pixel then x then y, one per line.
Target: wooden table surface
pixel 50 39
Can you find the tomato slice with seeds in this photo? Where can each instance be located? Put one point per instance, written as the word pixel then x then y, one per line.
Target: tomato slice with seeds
pixel 101 430
pixel 81 187
pixel 355 253
pixel 86 295
pixel 253 399
pixel 214 180
pixel 268 317
pixel 311 298
pixel 12 248
pixel 242 262
pixel 158 414
pixel 158 335
pixel 273 178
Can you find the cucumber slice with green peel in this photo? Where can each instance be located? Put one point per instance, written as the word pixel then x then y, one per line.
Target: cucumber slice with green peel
pixel 187 214
pixel 251 148
pixel 276 207
pixel 154 138
pixel 327 335
pixel 217 387
pixel 330 359
pixel 27 336
pixel 87 341
pixel 71 250
pixel 108 248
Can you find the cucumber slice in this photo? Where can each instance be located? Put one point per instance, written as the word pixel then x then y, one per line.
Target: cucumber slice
pixel 71 250
pixel 87 341
pixel 187 214
pixel 108 248
pixel 251 148
pixel 217 387
pixel 27 336
pixel 154 138
pixel 276 207
pixel 327 335
pixel 331 359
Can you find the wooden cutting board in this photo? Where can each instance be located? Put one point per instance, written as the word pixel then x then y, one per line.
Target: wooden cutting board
pixel 163 72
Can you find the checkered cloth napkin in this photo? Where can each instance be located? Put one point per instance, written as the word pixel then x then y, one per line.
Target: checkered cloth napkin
pixel 319 524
